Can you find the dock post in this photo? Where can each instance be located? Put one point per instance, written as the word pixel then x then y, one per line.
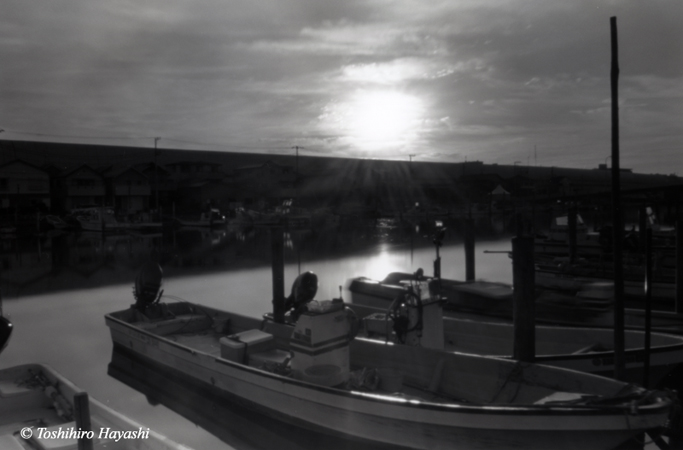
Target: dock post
pixel 469 250
pixel 648 306
pixel 571 222
pixel 437 261
pixel 679 265
pixel 278 266
pixel 523 309
pixel 82 417
pixel 642 229
pixel 437 239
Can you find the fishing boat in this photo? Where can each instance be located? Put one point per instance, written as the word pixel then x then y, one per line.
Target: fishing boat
pixel 558 301
pixel 556 240
pixel 146 222
pixel 285 214
pixel 209 218
pixel 586 348
pixel 53 222
pixel 247 428
pixel 307 367
pixel 261 218
pixel 294 216
pixel 588 243
pixel 561 273
pixel 41 409
pixel 6 329
pixel 7 231
pixel 240 218
pixel 99 219
pixel 593 303
pixel 585 304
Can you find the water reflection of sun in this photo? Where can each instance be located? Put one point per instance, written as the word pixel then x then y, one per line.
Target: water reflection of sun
pixel 376 119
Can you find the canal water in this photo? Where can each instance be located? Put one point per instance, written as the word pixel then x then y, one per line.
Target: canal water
pixel 56 289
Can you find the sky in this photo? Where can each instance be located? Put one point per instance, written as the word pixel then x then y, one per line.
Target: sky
pixel 499 81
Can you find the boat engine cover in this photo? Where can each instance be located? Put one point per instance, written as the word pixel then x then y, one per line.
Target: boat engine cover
pixel 321 339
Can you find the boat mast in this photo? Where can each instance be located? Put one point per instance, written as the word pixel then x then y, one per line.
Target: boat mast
pixel 617 221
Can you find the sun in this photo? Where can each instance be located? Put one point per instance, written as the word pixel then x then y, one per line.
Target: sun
pixel 377 119
pixel 383 115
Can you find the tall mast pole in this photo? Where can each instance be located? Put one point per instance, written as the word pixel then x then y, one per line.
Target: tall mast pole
pixel 617 221
pixel 156 176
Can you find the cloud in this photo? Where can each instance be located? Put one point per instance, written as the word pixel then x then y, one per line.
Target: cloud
pixel 493 78
pixel 398 71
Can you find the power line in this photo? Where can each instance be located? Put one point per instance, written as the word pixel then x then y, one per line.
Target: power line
pixel 79 136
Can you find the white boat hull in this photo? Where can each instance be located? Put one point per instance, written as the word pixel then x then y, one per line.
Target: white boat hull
pixel 370 416
pixel 577 348
pixel 632 288
pixel 24 405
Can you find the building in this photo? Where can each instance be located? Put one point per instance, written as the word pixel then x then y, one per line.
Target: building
pixel 77 187
pixel 263 183
pixel 195 170
pixel 24 187
pixel 128 190
pixel 163 185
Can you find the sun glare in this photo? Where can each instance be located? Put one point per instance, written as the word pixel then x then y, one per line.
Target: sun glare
pixel 376 119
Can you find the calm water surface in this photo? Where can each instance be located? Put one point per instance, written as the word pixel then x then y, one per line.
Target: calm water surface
pixel 57 289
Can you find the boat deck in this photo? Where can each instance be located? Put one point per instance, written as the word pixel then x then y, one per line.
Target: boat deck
pixel 206 341
pixel 430 377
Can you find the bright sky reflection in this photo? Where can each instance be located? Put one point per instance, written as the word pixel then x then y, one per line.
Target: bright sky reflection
pixel 384 262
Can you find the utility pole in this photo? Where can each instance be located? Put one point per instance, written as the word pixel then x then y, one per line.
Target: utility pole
pixel 156 176
pixel 296 161
pixel 410 157
pixel 296 169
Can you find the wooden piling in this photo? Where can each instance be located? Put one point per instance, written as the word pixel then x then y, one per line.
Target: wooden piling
pixel 523 313
pixel 82 418
pixel 679 265
pixel 648 307
pixel 571 224
pixel 278 269
pixel 617 221
pixel 469 250
pixel 437 260
pixel 642 229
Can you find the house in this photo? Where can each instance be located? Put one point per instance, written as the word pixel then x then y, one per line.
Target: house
pixel 195 170
pixel 128 190
pixel 79 186
pixel 260 182
pixel 24 187
pixel 194 183
pixel 163 185
pixel 198 194
pixel 500 193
